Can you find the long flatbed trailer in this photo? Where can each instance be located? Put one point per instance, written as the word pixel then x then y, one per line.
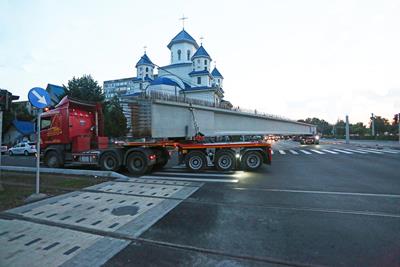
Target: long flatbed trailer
pixel 72 133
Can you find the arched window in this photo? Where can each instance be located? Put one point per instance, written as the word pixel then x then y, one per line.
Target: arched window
pixel 188 55
pixel 198 80
pixel 147 69
pixel 205 61
pixel 179 54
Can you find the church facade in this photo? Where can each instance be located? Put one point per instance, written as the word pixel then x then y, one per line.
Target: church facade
pixel 188 73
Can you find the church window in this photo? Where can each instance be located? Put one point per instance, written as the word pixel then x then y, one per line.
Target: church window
pixel 188 55
pixel 179 54
pixel 172 56
pixel 147 69
pixel 198 61
pixel 205 68
pixel 198 80
pixel 205 61
pixel 147 76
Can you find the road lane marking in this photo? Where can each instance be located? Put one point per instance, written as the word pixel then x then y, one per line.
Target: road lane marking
pixel 211 180
pixel 293 152
pixel 371 151
pixel 305 152
pixel 329 151
pixel 272 152
pixel 282 152
pixel 356 151
pixel 230 175
pixel 384 151
pixel 319 192
pixel 316 151
pixel 343 151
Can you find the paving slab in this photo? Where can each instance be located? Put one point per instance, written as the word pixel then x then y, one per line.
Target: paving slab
pixel 30 244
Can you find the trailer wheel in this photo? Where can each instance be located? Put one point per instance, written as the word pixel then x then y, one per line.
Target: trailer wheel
pixel 52 160
pixel 252 160
pixel 195 161
pixel 225 160
pixel 109 162
pixel 137 163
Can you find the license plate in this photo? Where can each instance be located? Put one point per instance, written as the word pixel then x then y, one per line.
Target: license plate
pixel 85 159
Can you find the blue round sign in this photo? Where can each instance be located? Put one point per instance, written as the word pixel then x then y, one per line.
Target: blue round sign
pixel 39 97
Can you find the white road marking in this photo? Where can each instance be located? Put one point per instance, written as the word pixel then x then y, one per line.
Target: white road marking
pixel 272 152
pixel 356 151
pixel 293 152
pixel 343 151
pixel 330 151
pixel 384 151
pixel 305 152
pixel 196 174
pixel 316 151
pixel 371 151
pixel 193 179
pixel 282 152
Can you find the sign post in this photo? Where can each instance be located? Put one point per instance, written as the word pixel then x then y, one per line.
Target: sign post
pixel 40 99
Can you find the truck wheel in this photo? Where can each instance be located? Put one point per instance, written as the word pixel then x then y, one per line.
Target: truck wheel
pixel 109 162
pixel 225 160
pixel 195 161
pixel 252 161
pixel 137 163
pixel 52 160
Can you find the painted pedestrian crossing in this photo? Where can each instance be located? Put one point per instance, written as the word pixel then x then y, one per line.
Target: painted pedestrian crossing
pixel 333 151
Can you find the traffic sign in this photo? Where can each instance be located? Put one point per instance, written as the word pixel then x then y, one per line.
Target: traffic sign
pixel 39 97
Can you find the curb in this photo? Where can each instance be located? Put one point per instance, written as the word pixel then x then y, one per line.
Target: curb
pixel 108 174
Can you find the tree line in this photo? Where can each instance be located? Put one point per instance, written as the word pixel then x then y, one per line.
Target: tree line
pixel 383 127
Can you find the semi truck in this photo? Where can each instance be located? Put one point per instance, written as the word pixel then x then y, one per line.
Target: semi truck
pixel 72 133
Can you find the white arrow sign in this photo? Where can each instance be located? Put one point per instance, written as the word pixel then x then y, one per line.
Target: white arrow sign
pixel 41 99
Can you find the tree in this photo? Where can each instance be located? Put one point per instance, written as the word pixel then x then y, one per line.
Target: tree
pixel 85 88
pixel 114 118
pixel 382 125
pixel 323 126
pixel 359 129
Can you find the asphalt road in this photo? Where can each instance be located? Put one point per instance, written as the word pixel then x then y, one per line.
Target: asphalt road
pixel 312 209
pixel 329 204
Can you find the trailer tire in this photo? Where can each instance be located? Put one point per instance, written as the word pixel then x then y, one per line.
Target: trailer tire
pixel 52 159
pixel 195 161
pixel 225 160
pixel 251 161
pixel 137 163
pixel 164 157
pixel 109 162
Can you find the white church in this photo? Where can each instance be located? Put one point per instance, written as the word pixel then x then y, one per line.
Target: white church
pixel 189 73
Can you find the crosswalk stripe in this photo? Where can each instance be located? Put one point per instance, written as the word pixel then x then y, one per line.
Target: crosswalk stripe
pixel 384 151
pixel 316 151
pixel 282 152
pixel 356 151
pixel 293 152
pixel 195 174
pixel 305 152
pixel 191 179
pixel 343 151
pixel 371 151
pixel 329 151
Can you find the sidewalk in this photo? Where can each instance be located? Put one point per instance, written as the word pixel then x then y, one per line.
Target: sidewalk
pixel 366 143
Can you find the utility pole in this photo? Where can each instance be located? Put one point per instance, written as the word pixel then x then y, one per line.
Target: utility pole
pixel 347 130
pixel 372 124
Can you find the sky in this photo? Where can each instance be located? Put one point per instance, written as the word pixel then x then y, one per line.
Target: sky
pixel 298 59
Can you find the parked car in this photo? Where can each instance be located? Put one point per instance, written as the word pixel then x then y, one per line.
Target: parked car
pixel 24 148
pixel 3 149
pixel 306 140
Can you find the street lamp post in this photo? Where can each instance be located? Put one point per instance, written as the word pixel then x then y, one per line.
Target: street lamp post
pixel 373 124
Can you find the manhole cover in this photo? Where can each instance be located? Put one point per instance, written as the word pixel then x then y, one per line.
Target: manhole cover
pixel 125 210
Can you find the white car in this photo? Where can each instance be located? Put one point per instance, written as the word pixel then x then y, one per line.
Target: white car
pixel 3 149
pixel 24 148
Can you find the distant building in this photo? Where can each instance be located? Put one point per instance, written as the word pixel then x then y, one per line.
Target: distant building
pixel 189 73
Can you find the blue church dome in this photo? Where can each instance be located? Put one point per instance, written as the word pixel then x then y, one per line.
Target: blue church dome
pixel 181 37
pixel 201 52
pixel 165 81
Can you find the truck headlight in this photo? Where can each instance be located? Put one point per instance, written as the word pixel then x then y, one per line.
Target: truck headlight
pixel 317 137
